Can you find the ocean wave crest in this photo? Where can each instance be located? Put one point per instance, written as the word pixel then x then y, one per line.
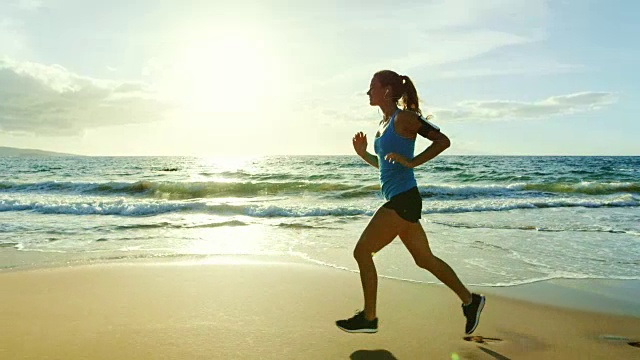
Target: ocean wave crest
pixel 182 190
pixel 213 189
pixel 132 207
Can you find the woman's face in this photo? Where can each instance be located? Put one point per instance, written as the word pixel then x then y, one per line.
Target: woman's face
pixel 376 93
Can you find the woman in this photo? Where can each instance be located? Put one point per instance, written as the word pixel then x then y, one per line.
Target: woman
pixel 399 216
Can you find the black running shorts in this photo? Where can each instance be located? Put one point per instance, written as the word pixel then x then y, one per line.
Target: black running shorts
pixel 407 204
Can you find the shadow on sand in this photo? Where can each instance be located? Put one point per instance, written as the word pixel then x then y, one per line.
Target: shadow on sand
pixel 372 355
pixel 496 355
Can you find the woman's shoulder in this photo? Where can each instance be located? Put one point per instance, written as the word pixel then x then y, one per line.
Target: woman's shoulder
pixel 407 123
pixel 406 117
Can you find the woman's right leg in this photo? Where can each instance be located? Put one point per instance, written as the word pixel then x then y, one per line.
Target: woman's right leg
pixel 415 239
pixel 381 230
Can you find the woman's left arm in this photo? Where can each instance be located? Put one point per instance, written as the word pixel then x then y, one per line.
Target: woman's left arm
pixel 440 143
pixel 411 124
pixel 425 129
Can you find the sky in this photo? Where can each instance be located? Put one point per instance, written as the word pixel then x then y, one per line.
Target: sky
pixel 260 77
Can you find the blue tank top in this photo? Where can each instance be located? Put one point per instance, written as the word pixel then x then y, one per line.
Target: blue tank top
pixel 394 178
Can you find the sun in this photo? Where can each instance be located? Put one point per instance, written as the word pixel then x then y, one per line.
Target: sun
pixel 231 70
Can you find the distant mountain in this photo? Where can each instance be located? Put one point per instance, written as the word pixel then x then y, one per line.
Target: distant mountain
pixel 9 151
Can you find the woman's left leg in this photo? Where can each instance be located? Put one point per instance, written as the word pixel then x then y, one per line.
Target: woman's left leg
pixel 381 230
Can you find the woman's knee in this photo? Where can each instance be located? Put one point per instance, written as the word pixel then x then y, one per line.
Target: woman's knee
pixel 362 252
pixel 426 261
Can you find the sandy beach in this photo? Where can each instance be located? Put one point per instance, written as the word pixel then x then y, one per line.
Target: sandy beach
pixel 235 308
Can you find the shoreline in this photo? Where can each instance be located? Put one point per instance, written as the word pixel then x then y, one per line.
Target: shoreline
pixel 606 296
pixel 603 296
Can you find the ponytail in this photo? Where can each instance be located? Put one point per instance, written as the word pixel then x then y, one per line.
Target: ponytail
pixel 402 88
pixel 410 95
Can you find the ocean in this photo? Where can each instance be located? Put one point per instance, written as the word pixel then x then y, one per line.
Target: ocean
pixel 497 220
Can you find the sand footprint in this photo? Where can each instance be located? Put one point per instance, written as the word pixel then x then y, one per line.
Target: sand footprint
pixel 481 339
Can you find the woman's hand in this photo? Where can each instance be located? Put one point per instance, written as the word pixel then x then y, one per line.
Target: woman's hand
pixel 360 143
pixel 397 158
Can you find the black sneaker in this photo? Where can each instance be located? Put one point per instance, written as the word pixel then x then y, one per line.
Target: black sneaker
pixel 358 324
pixel 472 312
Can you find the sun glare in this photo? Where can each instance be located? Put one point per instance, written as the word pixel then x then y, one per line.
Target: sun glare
pixel 224 71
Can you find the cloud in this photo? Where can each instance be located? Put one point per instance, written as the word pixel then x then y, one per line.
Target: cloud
pixel 510 70
pixel 51 100
pixel 428 35
pixel 507 110
pixel 457 47
pixel 493 110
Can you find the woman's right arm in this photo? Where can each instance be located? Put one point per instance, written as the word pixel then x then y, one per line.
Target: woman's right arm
pixel 370 159
pixel 360 146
